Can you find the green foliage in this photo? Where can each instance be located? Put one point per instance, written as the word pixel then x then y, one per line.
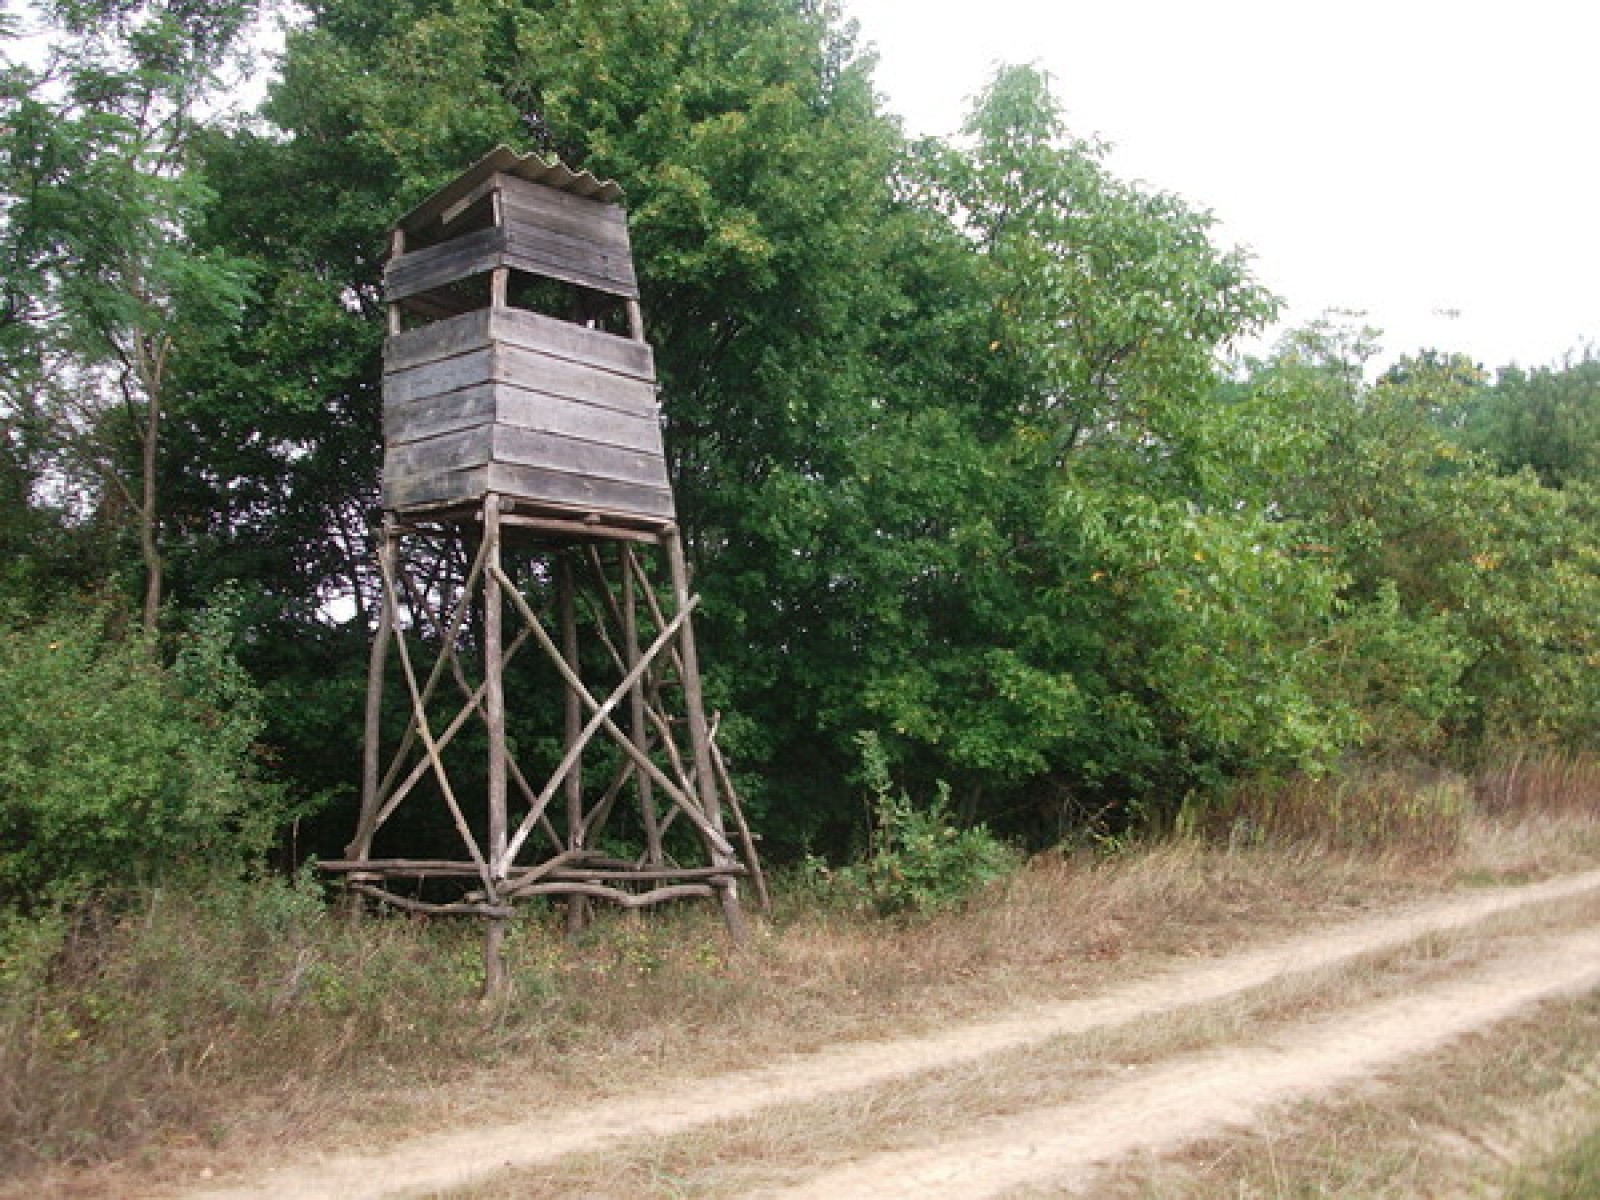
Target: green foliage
pixel 917 861
pixel 104 285
pixel 1547 420
pixel 115 771
pixel 951 435
pixel 1469 593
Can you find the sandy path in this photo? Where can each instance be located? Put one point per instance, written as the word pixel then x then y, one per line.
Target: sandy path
pixel 426 1165
pixel 1200 1094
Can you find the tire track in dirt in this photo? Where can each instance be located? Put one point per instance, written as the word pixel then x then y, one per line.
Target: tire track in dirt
pixel 432 1163
pixel 1201 1094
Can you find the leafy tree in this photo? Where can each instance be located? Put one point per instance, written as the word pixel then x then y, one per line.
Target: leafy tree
pixel 1120 619
pixel 103 284
pixel 1546 419
pixel 756 168
pixel 116 771
pixel 1464 617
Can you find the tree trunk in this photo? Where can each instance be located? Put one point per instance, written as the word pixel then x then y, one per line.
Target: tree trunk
pixel 151 366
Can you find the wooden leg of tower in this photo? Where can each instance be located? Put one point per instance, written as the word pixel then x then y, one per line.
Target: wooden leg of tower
pixel 567 609
pixel 360 846
pixel 639 729
pixel 494 959
pixel 700 735
pixel 495 718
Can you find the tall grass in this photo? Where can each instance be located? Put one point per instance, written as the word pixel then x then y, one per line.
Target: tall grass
pixel 258 1010
pixel 1540 783
pixel 1419 812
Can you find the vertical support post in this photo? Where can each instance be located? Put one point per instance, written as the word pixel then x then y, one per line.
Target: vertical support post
pixel 635 321
pixel 371 751
pixel 699 732
pixel 566 606
pixel 638 725
pixel 494 704
pixel 397 247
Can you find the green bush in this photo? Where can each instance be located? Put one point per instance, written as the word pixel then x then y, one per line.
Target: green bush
pixel 917 860
pixel 116 770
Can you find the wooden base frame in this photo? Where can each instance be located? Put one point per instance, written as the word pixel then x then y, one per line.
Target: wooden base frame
pixel 631 805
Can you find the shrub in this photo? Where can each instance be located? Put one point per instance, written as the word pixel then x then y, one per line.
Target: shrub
pixel 115 770
pixel 917 860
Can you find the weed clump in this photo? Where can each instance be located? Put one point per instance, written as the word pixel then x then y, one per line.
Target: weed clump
pixel 917 860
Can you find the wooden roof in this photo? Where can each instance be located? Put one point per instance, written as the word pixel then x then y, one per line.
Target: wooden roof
pixel 504 160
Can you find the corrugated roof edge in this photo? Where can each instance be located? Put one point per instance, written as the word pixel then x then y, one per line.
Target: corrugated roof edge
pixel 503 159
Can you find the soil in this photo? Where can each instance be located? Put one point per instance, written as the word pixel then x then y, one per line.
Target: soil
pixel 1159 1107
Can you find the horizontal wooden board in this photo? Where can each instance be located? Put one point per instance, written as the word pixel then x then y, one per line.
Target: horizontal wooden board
pixel 536 204
pixel 441 339
pixel 518 327
pixel 521 408
pixel 538 253
pixel 575 246
pixel 592 280
pixel 581 493
pixel 532 448
pixel 440 455
pixel 567 380
pixel 403 491
pixel 538 488
pixel 438 378
pixel 577 343
pixel 429 416
pixel 448 262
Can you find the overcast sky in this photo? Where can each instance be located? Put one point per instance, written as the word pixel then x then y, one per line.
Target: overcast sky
pixel 1434 164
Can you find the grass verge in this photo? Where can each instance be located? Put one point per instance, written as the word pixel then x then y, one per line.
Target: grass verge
pixel 144 1043
pixel 790 1143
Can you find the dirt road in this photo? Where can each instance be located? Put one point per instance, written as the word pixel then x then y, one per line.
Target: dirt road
pixel 1167 1104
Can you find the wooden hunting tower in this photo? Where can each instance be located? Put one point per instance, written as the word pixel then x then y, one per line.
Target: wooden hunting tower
pixel 527 511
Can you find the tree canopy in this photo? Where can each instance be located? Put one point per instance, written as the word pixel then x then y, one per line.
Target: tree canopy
pixel 963 446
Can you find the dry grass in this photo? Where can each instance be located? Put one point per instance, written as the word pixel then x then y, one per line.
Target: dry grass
pixel 1457 1125
pixel 217 1032
pixel 788 1143
pixel 1551 783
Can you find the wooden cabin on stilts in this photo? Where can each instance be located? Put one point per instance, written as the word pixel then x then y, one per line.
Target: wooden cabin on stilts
pixel 530 556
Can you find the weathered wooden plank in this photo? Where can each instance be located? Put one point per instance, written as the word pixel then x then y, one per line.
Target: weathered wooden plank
pixel 437 378
pixel 598 225
pixel 528 448
pixel 585 525
pixel 520 327
pixel 522 408
pixel 404 491
pixel 429 416
pixel 543 253
pixel 442 455
pixel 577 246
pixel 563 210
pixel 591 347
pixel 557 377
pixel 528 247
pixel 447 262
pixel 442 339
pixel 581 493
pixel 551 269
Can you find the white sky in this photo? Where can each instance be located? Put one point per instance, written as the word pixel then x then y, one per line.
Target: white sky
pixel 1402 157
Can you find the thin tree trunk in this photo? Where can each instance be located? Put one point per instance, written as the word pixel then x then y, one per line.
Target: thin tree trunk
pixel 148 546
pixel 151 365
